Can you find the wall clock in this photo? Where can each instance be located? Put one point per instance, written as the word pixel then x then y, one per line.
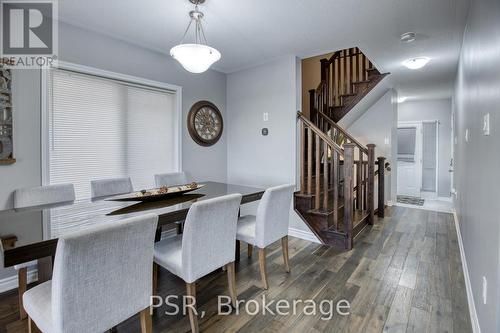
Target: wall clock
pixel 205 123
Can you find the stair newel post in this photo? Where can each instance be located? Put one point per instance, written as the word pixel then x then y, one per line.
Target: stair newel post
pixel 348 192
pixel 335 186
pixel 381 187
pixel 371 182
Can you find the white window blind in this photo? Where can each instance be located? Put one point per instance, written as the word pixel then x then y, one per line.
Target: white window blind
pixel 101 128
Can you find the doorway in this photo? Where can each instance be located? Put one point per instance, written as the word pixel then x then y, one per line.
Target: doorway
pixel 417 159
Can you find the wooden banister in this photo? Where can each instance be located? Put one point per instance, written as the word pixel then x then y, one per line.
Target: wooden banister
pixel 309 124
pixel 341 130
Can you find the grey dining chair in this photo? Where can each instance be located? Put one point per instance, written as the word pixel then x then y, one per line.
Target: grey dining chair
pixel 101 277
pixel 170 179
pixel 108 187
pixel 270 225
pixel 208 243
pixel 30 197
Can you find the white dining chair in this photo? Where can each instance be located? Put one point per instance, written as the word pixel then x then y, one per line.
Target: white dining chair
pixel 30 197
pixel 208 243
pixel 270 225
pixel 170 179
pixel 101 277
pixel 112 186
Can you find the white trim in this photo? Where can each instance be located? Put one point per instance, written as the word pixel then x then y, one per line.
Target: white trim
pixel 447 199
pixel 11 282
pixel 470 298
pixel 306 235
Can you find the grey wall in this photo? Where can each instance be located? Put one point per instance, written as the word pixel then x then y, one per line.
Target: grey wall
pixel 83 47
pixel 477 161
pixel 376 125
pixel 434 110
pixel 254 159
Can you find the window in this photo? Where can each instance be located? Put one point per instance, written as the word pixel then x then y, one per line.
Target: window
pixel 103 128
pixel 406 143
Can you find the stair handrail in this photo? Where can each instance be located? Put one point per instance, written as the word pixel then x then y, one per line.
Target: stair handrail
pixel 343 131
pixel 320 133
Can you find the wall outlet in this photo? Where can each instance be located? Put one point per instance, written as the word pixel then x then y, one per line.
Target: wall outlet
pixel 485 290
pixel 265 116
pixel 466 135
pixel 486 124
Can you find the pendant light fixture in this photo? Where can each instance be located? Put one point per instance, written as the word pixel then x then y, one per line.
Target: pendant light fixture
pixel 195 57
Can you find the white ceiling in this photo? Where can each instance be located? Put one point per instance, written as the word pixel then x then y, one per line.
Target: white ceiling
pixel 251 32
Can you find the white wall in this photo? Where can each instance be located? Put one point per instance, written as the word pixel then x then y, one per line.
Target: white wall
pixel 83 47
pixel 254 159
pixel 477 160
pixel 378 125
pixel 434 110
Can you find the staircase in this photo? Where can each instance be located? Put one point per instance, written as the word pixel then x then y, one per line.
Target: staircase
pixel 339 174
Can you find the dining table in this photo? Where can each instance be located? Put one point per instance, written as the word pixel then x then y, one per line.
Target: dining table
pixel 80 215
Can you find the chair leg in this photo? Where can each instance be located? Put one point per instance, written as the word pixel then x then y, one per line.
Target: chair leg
pixel 193 316
pixel 22 276
pixel 32 328
pixel 146 322
pixel 284 245
pixel 179 227
pixel 250 250
pixel 231 281
pixel 262 264
pixel 155 278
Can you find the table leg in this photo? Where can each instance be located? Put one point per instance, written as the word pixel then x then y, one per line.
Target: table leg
pixel 44 269
pixel 158 235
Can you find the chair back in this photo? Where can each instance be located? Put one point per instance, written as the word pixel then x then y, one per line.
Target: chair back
pixel 209 238
pixel 273 215
pixel 103 276
pixel 170 179
pixel 108 187
pixel 43 195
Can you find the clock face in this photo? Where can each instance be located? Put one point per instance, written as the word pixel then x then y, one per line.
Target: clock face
pixel 205 123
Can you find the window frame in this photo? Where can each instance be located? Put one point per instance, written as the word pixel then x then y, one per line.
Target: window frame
pixel 100 73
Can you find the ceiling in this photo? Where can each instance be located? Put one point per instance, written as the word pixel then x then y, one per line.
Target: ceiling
pixel 252 32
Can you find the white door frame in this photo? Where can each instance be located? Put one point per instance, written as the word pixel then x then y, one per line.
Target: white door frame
pixel 418 150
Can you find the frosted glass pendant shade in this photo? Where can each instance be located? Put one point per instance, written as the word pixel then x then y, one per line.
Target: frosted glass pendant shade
pixel 195 58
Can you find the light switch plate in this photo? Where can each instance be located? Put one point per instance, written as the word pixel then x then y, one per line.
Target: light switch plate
pixel 466 135
pixel 265 116
pixel 386 141
pixel 486 124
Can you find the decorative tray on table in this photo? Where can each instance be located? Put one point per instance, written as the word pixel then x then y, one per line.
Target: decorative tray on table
pixel 157 194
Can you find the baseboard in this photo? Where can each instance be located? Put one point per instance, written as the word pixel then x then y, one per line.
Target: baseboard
pixel 305 235
pixel 470 298
pixel 11 282
pixel 447 199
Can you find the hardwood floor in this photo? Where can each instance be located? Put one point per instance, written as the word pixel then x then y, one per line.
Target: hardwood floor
pixel 404 275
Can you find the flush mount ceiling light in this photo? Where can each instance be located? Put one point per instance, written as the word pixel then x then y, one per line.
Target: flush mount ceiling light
pixel 408 37
pixel 195 57
pixel 416 63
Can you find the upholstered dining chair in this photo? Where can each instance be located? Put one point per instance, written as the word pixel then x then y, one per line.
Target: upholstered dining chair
pixel 270 225
pixel 108 187
pixel 208 243
pixel 37 196
pixel 101 277
pixel 170 179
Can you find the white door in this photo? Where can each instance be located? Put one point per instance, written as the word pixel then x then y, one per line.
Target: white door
pixel 409 159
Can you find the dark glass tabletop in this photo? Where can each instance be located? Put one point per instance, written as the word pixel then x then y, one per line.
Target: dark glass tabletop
pixel 83 214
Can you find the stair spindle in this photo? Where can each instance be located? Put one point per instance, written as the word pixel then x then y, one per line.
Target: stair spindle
pixel 317 200
pixel 325 176
pixel 309 160
pixel 371 182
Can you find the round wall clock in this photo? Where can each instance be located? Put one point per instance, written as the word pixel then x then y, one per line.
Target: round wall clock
pixel 205 123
